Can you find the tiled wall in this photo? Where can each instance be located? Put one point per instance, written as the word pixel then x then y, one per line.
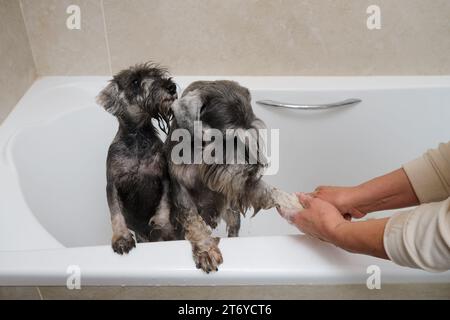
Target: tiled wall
pixel 242 37
pixel 17 70
pixel 232 37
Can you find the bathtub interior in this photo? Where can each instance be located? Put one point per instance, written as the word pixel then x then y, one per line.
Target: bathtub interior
pixel 61 162
pixel 62 173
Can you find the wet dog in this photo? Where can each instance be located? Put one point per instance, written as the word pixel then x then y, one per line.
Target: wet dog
pixel 137 178
pixel 203 193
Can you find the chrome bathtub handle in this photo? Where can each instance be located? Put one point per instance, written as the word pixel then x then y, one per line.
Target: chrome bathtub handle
pixel 344 103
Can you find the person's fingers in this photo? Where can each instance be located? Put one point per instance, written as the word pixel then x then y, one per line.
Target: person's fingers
pixel 299 219
pixel 308 195
pixel 305 200
pixel 298 194
pixel 287 214
pixel 321 188
pixel 356 213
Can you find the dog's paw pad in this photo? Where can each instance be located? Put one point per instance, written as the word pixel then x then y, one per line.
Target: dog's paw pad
pixel 209 260
pixel 124 244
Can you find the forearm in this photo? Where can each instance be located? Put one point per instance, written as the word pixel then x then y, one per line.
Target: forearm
pixel 391 191
pixel 365 237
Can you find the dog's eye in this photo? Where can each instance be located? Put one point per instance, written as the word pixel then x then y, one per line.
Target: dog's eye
pixel 135 83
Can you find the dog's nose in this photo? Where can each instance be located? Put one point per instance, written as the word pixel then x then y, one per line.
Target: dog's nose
pixel 172 88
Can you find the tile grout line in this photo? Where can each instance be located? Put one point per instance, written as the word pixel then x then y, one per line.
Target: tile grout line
pixel 106 37
pixel 40 293
pixel 29 39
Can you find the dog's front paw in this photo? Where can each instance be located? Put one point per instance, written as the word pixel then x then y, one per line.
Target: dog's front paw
pixel 286 200
pixel 287 204
pixel 123 244
pixel 208 258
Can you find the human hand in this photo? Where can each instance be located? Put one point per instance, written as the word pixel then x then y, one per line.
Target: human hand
pixel 345 199
pixel 319 219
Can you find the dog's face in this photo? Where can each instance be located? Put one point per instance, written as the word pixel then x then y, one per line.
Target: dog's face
pixel 223 105
pixel 218 104
pixel 138 93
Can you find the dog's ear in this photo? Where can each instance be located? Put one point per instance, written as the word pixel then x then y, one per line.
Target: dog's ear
pixel 111 99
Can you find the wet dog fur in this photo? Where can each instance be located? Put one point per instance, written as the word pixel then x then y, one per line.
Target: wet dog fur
pixel 137 177
pixel 202 194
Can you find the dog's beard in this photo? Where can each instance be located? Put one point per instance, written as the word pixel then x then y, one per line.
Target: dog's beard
pixel 164 122
pixel 161 112
pixel 232 181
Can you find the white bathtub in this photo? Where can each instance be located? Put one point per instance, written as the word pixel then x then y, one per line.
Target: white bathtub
pixel 53 210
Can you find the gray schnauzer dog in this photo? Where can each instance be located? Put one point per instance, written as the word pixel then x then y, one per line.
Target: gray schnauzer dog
pixel 137 178
pixel 202 194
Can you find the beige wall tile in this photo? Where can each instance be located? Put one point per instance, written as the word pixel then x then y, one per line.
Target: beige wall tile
pixel 17 71
pixel 60 51
pixel 283 37
pixel 389 291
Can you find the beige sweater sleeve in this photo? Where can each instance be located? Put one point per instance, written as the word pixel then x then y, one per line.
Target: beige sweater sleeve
pixel 420 237
pixel 430 174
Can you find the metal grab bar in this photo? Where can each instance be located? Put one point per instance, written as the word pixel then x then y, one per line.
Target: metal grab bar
pixel 344 103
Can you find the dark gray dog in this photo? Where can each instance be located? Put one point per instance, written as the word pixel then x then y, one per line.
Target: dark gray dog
pixel 137 178
pixel 202 194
